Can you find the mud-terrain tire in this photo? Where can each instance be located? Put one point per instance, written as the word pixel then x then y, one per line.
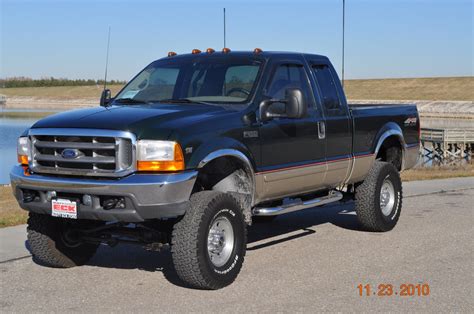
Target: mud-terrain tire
pixel 49 247
pixel 379 198
pixel 208 244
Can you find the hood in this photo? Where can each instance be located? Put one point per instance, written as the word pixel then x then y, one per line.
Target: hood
pixel 159 119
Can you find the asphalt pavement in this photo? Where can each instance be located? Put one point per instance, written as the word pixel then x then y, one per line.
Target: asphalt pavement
pixel 307 261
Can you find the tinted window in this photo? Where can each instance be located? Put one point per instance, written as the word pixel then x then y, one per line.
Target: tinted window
pixel 330 99
pixel 239 79
pixel 152 84
pixel 289 76
pixel 220 80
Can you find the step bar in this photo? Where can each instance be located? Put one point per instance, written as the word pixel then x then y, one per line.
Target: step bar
pixel 298 204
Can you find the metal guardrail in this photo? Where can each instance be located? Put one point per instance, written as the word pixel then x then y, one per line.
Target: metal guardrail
pixel 447 143
pixel 447 135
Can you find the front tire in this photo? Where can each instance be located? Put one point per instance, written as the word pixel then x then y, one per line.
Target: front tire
pixel 209 242
pixel 379 198
pixel 51 247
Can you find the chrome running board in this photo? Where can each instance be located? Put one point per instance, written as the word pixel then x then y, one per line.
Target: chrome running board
pixel 298 204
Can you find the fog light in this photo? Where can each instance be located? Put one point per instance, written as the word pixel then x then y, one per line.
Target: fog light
pixel 87 200
pixel 113 202
pixel 50 195
pixel 29 196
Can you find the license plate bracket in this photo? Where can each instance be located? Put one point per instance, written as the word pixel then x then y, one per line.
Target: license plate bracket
pixel 64 208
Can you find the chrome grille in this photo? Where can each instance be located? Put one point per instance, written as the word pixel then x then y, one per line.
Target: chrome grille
pixel 94 152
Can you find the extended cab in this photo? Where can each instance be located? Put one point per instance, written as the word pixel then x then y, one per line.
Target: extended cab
pixel 196 147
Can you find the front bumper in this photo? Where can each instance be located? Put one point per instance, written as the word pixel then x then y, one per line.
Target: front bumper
pixel 147 196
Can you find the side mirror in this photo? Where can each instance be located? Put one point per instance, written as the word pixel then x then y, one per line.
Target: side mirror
pixel 105 97
pixel 295 106
pixel 295 103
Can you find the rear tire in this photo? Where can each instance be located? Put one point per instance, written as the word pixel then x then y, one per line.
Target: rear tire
pixel 209 242
pixel 379 198
pixel 50 247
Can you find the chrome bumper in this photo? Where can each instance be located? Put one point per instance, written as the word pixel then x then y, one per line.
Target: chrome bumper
pixel 147 196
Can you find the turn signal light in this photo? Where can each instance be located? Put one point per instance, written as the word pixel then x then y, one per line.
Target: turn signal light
pixel 195 51
pixel 23 160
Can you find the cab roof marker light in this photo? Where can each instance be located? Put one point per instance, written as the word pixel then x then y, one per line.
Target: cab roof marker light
pixel 172 54
pixel 210 50
pixel 257 50
pixel 225 50
pixel 196 51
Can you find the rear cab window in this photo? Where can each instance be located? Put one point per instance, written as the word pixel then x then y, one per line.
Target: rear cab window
pixel 331 103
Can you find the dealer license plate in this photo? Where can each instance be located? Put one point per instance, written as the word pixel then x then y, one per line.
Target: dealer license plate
pixel 64 208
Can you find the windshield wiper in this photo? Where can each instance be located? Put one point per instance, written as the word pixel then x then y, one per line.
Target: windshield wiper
pixel 181 101
pixel 131 101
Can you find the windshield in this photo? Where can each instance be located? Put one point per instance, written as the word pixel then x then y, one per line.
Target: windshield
pixel 210 80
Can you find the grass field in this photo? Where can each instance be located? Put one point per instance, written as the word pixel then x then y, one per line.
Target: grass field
pixel 438 172
pixel 59 92
pixel 11 214
pixel 443 88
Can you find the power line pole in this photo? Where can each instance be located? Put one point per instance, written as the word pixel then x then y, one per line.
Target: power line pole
pixel 224 29
pixel 343 35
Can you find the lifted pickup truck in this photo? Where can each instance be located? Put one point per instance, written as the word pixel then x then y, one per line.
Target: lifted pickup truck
pixel 196 147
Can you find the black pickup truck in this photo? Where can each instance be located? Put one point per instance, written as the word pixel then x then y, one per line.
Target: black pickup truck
pixel 196 147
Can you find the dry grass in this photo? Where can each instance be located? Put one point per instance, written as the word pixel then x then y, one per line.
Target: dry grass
pixel 442 88
pixel 10 213
pixel 27 114
pixel 438 172
pixel 59 92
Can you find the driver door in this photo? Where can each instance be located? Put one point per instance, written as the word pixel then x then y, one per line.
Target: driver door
pixel 292 152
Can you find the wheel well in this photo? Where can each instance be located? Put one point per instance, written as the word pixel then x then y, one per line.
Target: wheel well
pixel 391 151
pixel 230 175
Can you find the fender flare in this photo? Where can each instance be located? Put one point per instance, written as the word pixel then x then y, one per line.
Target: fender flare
pixel 388 130
pixel 228 152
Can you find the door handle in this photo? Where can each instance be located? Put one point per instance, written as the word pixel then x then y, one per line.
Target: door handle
pixel 321 130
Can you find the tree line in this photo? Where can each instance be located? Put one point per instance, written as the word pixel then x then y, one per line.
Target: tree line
pixel 51 81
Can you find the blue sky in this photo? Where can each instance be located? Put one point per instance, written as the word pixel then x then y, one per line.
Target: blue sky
pixel 384 38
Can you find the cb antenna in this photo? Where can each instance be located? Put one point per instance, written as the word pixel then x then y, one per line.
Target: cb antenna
pixel 224 29
pixel 107 61
pixel 343 35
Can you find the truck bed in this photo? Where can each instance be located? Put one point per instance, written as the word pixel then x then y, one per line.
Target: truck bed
pixel 369 119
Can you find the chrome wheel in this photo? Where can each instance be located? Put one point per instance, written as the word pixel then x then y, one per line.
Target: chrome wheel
pixel 387 197
pixel 220 241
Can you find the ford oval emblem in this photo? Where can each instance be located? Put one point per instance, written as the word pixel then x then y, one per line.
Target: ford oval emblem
pixel 70 153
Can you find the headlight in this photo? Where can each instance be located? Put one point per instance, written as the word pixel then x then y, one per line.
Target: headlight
pixel 23 150
pixel 159 156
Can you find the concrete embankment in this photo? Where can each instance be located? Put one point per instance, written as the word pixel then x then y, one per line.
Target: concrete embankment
pixel 26 102
pixel 431 108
